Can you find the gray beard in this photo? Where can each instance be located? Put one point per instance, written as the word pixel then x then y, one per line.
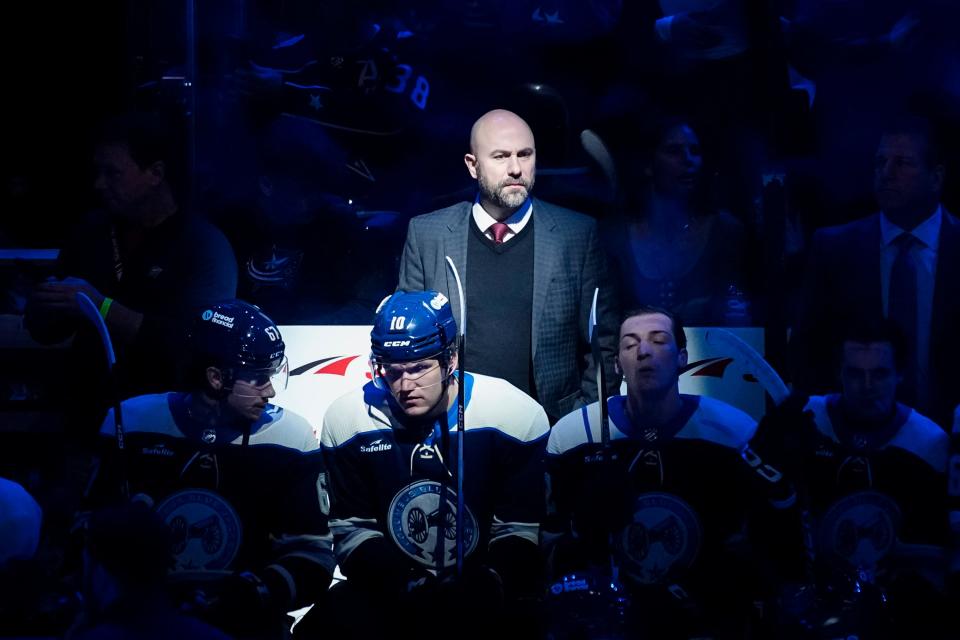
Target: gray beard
pixel 511 200
pixel 502 199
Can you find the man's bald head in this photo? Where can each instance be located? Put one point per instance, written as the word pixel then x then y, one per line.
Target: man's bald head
pixel 502 159
pixel 495 120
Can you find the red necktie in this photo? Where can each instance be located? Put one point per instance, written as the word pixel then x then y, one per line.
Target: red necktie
pixel 499 230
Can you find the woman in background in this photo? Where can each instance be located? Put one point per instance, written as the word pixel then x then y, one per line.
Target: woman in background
pixel 671 248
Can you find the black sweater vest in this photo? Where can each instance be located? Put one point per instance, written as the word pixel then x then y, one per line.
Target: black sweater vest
pixel 500 306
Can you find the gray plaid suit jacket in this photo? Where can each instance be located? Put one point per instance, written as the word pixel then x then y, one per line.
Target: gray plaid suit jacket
pixel 568 266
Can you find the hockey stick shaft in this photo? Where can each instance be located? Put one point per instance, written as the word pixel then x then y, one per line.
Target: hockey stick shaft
pixel 607 456
pixel 92 314
pixel 601 374
pixel 461 401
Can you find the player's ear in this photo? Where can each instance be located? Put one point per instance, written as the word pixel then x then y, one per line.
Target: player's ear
pixel 682 358
pixel 157 172
pixel 616 366
pixel 215 378
pixel 453 363
pixel 375 376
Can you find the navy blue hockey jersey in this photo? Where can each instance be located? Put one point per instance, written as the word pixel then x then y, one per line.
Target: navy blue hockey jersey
pixel 387 479
pixel 672 501
pixel 872 492
pixel 229 507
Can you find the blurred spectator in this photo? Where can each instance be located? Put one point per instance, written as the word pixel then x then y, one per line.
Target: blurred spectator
pixel 20 520
pixel 324 104
pixel 143 261
pixel 22 580
pixel 126 558
pixel 900 263
pixel 672 248
pixel 862 59
pixel 720 61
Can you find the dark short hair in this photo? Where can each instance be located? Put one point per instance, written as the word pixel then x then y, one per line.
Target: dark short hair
pixel 656 132
pixel 679 335
pixel 149 138
pixel 650 136
pixel 132 542
pixel 880 330
pixel 923 127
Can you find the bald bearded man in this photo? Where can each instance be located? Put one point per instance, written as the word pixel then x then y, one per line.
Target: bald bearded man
pixel 529 270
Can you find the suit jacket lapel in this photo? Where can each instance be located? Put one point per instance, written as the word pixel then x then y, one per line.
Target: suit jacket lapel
pixel 547 257
pixel 858 263
pixel 455 245
pixel 872 295
pixel 944 287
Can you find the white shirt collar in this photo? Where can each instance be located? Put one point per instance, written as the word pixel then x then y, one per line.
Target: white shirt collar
pixel 927 232
pixel 517 220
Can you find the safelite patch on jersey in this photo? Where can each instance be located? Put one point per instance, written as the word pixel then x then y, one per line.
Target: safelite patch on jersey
pixel 662 539
pixel 206 530
pixel 414 524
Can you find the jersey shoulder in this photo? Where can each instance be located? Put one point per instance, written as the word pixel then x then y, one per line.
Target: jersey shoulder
pixel 495 403
pixel 144 414
pixel 574 429
pixel 817 405
pixel 719 423
pixel 362 410
pixel 286 428
pixel 924 438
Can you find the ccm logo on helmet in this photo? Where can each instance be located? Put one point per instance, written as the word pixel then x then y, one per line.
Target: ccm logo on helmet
pixel 397 343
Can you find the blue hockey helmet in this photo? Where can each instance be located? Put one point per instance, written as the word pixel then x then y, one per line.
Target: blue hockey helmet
pixel 412 326
pixel 241 340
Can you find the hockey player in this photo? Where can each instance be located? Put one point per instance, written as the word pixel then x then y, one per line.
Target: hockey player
pixel 666 502
pixel 391 453
pixel 874 471
pixel 235 478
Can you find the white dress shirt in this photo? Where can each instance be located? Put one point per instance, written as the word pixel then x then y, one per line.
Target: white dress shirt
pixel 516 222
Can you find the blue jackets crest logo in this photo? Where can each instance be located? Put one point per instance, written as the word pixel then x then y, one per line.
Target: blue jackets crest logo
pixel 413 521
pixel 860 528
pixel 661 541
pixel 206 530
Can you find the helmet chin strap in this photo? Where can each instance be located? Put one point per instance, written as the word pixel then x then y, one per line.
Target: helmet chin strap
pixel 443 393
pixel 215 415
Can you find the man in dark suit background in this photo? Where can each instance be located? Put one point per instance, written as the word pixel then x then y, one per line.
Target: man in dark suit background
pixel 529 270
pixel 902 263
